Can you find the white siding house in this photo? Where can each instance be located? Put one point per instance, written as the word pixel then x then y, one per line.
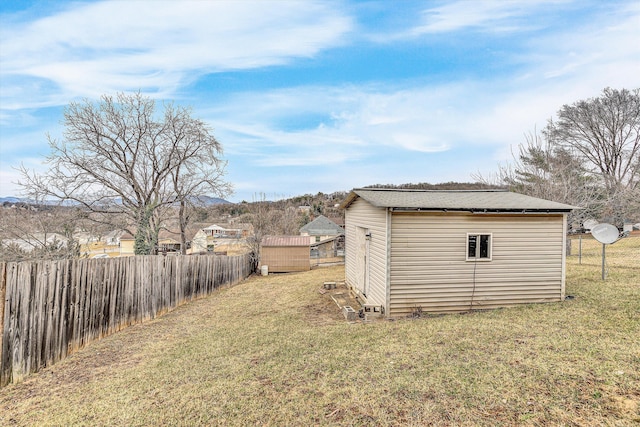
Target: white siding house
pixel 320 229
pixel 452 251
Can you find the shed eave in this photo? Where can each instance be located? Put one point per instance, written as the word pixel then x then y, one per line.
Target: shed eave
pixel 481 210
pixel 455 201
pixel 349 200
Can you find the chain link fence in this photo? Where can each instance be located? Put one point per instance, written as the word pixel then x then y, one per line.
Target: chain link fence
pixel 584 250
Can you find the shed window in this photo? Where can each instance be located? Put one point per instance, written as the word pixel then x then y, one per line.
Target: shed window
pixel 478 247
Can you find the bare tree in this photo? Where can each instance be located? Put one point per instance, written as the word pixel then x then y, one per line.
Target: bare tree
pixel 605 133
pixel 545 170
pixel 260 217
pixel 117 158
pixel 198 169
pixel 588 157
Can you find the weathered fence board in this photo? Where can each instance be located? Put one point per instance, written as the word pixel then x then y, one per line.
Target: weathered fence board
pixel 3 293
pixel 49 309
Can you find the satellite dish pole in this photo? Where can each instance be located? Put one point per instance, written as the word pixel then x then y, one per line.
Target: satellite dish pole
pixel 604 258
pixel 605 234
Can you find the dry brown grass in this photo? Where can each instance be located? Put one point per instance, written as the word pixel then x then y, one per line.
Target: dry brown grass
pixel 274 351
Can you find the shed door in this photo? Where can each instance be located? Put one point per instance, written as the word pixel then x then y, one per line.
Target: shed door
pixel 362 260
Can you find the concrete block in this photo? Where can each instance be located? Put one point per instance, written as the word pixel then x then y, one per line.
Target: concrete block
pixel 372 311
pixel 329 285
pixel 349 313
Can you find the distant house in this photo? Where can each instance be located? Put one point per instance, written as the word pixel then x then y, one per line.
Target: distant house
pixel 33 241
pixel 339 221
pixel 200 242
pixel 321 228
pixel 113 237
pixel 283 254
pixel 330 250
pixel 206 238
pixel 168 243
pixel 84 237
pixel 219 231
pixel 213 230
pixel 127 245
pixel 245 228
pixel 451 251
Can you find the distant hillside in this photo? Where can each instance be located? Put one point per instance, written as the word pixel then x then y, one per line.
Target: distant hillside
pixel 210 201
pixel 442 186
pixel 10 200
pixel 201 200
pixel 329 200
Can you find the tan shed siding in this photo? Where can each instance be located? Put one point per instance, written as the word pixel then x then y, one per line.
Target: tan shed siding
pixel 283 259
pixel 362 214
pixel 429 268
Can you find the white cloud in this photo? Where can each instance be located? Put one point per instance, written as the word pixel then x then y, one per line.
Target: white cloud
pixel 7 178
pixel 10 175
pixel 607 51
pixel 414 117
pixel 112 46
pixel 362 121
pixel 376 128
pixel 484 15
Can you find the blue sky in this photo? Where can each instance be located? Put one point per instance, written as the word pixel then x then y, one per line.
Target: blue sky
pixel 309 96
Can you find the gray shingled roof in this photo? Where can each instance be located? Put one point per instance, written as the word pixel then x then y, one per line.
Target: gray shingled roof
pixel 322 226
pixel 475 200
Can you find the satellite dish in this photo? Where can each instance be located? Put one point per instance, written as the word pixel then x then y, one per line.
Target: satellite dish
pixel 605 233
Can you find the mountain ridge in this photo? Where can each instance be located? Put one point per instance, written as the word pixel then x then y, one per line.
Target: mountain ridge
pixel 204 200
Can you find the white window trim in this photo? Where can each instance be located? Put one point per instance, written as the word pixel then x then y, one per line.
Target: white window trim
pixel 466 247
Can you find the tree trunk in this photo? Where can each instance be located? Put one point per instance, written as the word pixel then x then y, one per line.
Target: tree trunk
pixel 182 218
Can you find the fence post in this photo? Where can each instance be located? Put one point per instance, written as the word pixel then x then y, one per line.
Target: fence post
pixel 3 298
pixel 580 251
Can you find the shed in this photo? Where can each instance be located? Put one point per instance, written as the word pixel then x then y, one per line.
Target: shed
pixel 452 251
pixel 283 254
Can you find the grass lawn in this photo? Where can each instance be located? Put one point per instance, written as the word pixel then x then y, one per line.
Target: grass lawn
pixel 274 351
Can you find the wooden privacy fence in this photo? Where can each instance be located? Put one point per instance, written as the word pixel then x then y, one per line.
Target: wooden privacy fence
pixel 48 309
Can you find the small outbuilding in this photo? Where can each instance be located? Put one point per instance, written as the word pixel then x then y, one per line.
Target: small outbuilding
pixel 283 254
pixel 328 251
pixel 452 251
pixel 320 229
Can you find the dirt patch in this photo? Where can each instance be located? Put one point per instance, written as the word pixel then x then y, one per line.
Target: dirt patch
pixel 628 406
pixel 327 307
